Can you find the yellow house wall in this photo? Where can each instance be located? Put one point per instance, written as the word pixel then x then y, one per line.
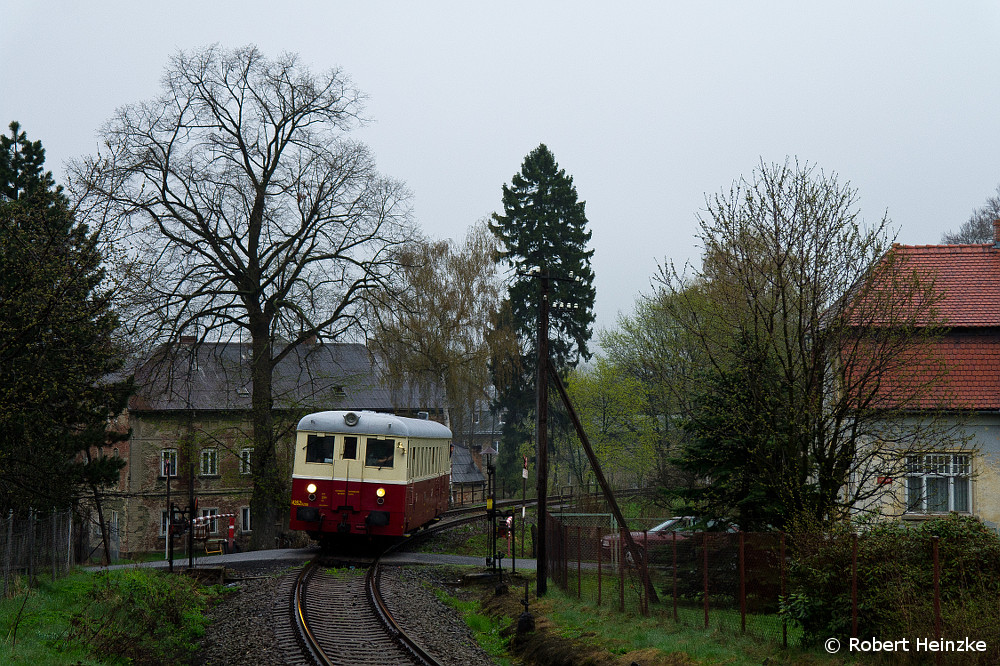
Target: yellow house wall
pixel 983 441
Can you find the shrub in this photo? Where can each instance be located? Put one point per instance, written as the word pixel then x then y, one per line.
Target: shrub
pixel 895 582
pixel 145 616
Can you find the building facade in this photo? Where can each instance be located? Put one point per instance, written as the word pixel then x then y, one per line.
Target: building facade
pixel 963 478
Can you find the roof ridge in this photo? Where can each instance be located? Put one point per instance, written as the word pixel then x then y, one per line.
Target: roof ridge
pixel 946 246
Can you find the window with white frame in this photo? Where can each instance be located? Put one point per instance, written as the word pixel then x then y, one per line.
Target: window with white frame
pixel 245 518
pixel 245 461
pixel 164 517
pixel 168 462
pixel 213 524
pixel 209 462
pixel 938 483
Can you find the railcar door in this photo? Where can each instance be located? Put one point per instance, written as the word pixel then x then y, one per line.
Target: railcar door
pixel 353 475
pixel 411 474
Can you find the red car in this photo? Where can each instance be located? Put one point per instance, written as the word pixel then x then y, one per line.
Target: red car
pixel 679 528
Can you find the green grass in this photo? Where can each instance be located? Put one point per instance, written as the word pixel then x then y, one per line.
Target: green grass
pixel 605 628
pixel 344 573
pixel 621 633
pixel 485 629
pixel 35 623
pixel 104 618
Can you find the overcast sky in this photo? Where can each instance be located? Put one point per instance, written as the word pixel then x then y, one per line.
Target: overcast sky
pixel 648 105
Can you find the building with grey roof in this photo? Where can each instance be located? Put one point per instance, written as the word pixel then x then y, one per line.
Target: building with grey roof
pixel 467 481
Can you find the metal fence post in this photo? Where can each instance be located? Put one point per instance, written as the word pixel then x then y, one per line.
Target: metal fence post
pixel 854 586
pixel 673 538
pixel 645 564
pixel 31 546
pixel 69 540
pixel 52 548
pixel 743 584
pixel 600 559
pixel 8 553
pixel 564 554
pixel 784 616
pixel 704 572
pixel 579 564
pixel 621 570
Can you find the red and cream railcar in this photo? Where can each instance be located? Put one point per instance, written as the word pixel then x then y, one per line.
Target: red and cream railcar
pixel 367 473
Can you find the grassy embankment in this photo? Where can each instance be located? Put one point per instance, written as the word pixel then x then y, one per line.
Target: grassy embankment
pixel 104 618
pixel 604 635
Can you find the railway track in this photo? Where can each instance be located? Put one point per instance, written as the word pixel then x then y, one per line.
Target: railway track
pixel 342 620
pixel 338 616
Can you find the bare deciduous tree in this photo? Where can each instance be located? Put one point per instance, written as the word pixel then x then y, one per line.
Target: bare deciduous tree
pixel 846 327
pixel 979 227
pixel 247 212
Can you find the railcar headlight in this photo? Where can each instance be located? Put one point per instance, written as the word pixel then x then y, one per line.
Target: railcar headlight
pixel 380 492
pixel 311 488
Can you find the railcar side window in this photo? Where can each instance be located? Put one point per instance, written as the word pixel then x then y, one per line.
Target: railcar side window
pixel 350 448
pixel 319 449
pixel 379 452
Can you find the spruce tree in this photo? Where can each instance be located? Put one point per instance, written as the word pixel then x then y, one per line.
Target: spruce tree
pixel 56 346
pixel 733 432
pixel 543 228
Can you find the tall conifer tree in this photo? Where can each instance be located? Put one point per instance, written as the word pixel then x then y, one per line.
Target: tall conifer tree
pixel 56 345
pixel 543 227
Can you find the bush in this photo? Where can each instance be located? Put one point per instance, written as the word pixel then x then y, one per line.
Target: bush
pixel 145 616
pixel 895 582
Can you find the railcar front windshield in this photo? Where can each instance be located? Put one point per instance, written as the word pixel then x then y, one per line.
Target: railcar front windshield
pixel 319 449
pixel 379 452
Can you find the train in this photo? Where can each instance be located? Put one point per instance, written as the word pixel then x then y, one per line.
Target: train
pixel 361 473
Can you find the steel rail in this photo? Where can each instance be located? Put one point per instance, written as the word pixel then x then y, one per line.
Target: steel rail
pixel 306 636
pixel 372 580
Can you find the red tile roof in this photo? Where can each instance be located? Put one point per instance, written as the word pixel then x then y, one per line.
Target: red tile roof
pixel 967 276
pixel 973 371
pixel 971 375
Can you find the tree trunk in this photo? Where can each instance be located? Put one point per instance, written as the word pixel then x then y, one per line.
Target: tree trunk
pixel 104 528
pixel 268 486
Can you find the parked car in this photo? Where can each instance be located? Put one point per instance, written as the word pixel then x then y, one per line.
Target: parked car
pixel 679 529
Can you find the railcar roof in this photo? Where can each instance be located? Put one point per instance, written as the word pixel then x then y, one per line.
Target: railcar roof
pixel 373 423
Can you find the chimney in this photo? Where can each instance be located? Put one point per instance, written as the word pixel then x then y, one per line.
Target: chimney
pixel 996 234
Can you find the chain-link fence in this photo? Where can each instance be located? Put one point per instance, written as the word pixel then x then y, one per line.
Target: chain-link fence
pixel 911 585
pixel 35 544
pixel 730 580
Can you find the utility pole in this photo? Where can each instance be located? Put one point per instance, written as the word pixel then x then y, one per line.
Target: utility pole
pixel 541 430
pixel 170 520
pixel 191 510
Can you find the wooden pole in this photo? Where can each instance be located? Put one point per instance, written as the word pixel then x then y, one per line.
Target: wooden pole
pixel 609 497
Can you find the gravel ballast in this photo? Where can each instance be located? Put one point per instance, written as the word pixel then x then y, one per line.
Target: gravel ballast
pixel 241 625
